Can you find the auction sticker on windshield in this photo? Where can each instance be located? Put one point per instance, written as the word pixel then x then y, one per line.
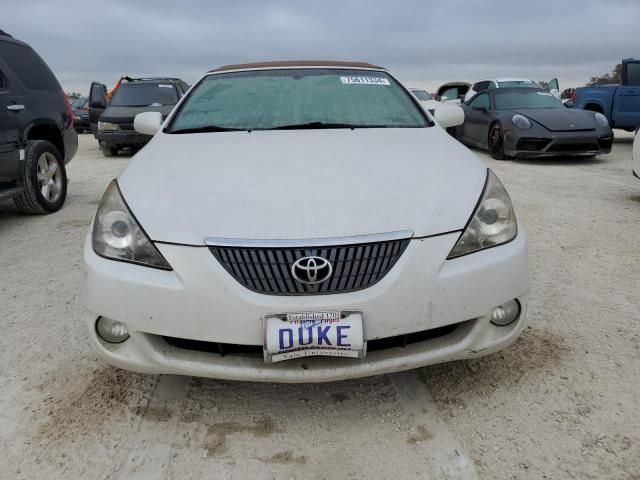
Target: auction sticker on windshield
pixel 306 334
pixel 365 80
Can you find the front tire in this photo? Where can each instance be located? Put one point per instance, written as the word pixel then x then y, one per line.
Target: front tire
pixel 496 142
pixel 109 151
pixel 44 179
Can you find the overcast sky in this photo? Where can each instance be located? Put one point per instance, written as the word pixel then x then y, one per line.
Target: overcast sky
pixel 424 43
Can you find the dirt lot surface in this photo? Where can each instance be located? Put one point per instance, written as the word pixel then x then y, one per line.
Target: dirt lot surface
pixel 562 402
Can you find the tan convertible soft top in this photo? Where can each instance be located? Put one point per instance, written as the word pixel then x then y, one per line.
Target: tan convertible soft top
pixel 295 63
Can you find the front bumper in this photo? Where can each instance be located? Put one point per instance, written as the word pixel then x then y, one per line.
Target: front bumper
pixel 557 144
pixel 121 139
pixel 199 300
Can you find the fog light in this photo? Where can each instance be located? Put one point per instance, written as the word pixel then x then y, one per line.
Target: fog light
pixel 111 331
pixel 506 313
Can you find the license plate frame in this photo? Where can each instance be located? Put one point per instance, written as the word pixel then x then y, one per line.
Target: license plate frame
pixel 309 320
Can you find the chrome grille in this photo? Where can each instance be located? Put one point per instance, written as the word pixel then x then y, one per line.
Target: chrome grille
pixel 268 269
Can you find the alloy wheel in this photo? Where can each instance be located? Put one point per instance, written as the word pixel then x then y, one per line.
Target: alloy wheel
pixel 49 177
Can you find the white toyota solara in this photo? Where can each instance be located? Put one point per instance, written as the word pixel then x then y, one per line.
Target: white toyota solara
pixel 302 222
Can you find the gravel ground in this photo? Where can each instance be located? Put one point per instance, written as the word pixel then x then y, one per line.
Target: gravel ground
pixel 562 402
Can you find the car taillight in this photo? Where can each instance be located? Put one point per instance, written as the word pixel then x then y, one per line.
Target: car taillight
pixel 573 97
pixel 69 110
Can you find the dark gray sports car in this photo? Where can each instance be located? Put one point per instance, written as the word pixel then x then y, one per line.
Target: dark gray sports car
pixel 528 123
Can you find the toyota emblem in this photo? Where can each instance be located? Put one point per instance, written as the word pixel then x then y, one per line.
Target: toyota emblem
pixel 311 270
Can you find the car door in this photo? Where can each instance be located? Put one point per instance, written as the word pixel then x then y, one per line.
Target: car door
pixel 477 118
pixel 450 95
pixel 97 104
pixel 11 121
pixel 553 87
pixel 626 101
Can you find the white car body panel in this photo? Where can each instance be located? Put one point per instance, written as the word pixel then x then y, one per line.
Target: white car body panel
pixel 429 105
pixel 253 185
pixel 297 185
pixel 472 92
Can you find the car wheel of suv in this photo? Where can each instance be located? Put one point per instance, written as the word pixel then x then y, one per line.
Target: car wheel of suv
pixel 109 152
pixel 44 179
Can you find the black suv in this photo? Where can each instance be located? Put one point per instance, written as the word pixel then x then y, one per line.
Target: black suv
pixel 37 138
pixel 80 107
pixel 134 95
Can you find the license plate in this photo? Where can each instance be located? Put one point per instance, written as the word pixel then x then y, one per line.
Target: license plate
pixel 306 334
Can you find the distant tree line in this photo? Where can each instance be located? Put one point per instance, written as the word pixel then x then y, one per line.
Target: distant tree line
pixel 614 77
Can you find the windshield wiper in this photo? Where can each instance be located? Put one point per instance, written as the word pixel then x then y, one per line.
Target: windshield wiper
pixel 312 125
pixel 206 128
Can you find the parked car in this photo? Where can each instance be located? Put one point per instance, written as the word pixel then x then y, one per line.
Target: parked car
pixel 80 108
pixel 635 162
pixel 528 122
pixel 37 138
pixel 490 83
pixel 115 122
pixel 261 226
pixel 452 92
pixel 619 103
pixel 425 98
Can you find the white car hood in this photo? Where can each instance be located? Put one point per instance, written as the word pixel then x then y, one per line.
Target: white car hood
pixel 302 184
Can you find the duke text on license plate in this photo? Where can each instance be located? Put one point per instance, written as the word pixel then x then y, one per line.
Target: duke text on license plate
pixel 305 334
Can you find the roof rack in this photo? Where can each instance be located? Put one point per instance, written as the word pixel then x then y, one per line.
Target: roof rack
pixel 154 78
pixel 5 34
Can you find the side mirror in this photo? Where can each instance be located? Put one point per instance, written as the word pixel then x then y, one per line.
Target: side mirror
pixel 448 115
pixel 98 104
pixel 569 103
pixel 147 123
pixel 97 98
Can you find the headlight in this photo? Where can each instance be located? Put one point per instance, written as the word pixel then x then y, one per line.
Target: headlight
pixel 493 222
pixel 117 235
pixel 521 121
pixel 106 126
pixel 602 120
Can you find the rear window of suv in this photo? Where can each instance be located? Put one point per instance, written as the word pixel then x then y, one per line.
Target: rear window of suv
pixel 28 66
pixel 144 95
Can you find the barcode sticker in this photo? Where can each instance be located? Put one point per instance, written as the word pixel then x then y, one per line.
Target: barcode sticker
pixel 364 81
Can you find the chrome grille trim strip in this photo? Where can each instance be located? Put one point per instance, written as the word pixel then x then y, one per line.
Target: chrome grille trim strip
pixel 311 242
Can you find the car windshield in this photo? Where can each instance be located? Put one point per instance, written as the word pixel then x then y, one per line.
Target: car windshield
pixel 297 98
pixel 422 94
pixel 519 84
pixel 79 102
pixel 519 100
pixel 144 94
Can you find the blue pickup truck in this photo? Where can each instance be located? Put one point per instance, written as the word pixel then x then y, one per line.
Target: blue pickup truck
pixel 619 103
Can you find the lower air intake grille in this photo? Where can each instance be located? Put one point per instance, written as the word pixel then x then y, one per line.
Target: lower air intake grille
pixel 256 350
pixel 269 270
pixel 574 147
pixel 532 144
